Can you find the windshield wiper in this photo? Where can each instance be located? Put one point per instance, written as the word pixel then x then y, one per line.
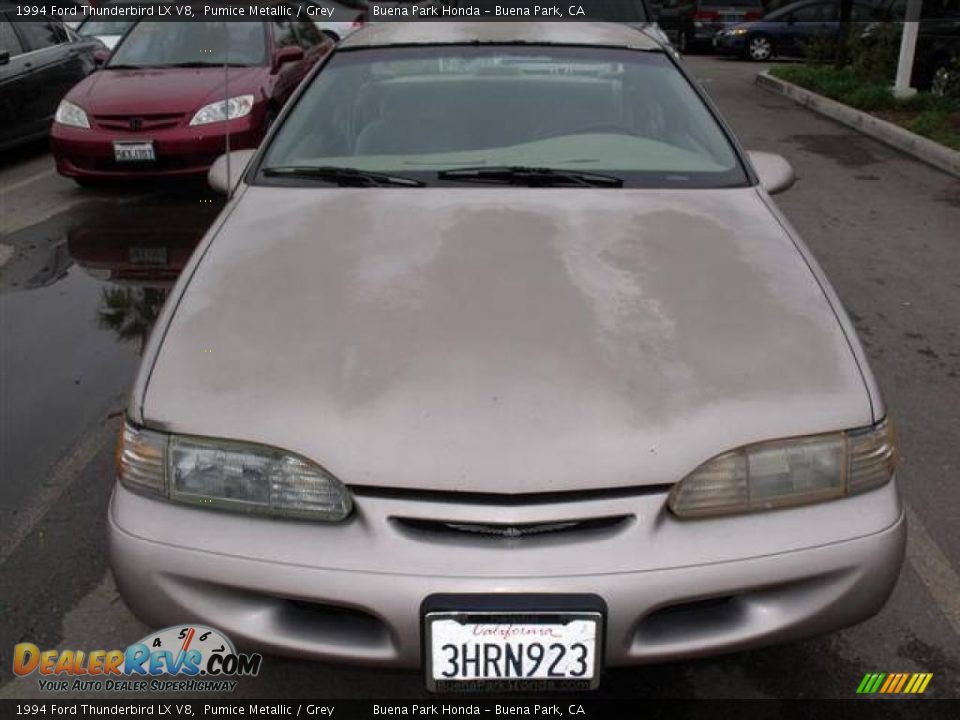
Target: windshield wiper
pixel 343 176
pixel 531 176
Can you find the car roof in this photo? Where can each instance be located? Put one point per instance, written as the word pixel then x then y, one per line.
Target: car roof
pixel 600 34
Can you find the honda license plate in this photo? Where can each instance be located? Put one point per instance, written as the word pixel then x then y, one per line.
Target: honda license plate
pixel 133 151
pixel 512 651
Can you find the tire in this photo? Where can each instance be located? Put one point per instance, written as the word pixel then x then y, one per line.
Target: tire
pixel 759 47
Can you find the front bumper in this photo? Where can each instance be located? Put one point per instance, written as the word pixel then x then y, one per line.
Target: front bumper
pixel 353 592
pixel 181 151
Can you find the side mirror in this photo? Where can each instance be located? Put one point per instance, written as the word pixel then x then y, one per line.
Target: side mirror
pixel 100 57
pixel 217 175
pixel 288 54
pixel 775 173
pixel 5 57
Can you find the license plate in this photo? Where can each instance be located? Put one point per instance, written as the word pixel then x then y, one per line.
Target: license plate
pixel 133 151
pixel 148 255
pixel 512 651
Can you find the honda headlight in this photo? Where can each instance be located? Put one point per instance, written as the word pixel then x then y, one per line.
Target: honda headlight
pixel 785 473
pixel 235 107
pixel 237 476
pixel 72 115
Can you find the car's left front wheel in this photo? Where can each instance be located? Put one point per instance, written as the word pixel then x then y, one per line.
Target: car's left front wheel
pixel 759 48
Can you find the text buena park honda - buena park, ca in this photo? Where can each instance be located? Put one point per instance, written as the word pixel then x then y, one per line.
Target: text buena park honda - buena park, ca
pixel 434 11
pixel 439 709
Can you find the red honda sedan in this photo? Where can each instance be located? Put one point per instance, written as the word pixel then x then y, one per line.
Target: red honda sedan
pixel 171 92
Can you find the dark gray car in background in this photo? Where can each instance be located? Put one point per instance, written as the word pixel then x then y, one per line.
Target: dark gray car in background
pixel 40 60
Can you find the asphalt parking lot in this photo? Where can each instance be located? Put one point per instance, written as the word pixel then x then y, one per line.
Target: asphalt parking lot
pixel 85 272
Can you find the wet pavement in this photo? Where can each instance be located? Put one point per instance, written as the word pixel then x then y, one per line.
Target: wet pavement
pixel 83 275
pixel 79 292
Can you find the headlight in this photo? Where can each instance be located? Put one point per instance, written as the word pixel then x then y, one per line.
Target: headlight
pixel 786 473
pixel 738 31
pixel 70 114
pixel 242 477
pixel 235 107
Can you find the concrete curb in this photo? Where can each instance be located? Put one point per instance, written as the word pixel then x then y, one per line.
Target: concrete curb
pixel 939 156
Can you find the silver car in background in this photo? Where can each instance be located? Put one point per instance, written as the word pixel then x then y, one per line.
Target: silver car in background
pixel 501 362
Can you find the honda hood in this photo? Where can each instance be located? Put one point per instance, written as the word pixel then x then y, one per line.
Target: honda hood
pixel 162 90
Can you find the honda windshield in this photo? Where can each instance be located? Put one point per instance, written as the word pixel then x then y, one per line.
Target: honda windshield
pixel 197 43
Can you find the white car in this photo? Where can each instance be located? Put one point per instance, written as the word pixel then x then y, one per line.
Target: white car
pixel 348 16
pixel 108 32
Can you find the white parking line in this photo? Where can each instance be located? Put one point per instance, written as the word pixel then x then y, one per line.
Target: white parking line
pixel 26 181
pixel 934 569
pixel 68 469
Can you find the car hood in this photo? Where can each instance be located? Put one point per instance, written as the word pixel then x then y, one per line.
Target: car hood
pixel 161 90
pixel 503 340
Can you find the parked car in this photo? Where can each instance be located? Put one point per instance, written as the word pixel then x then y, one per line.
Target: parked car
pixel 502 337
pixel 158 106
pixel 71 12
pixel 348 17
pixel 787 31
pixel 938 36
pixel 692 24
pixel 40 60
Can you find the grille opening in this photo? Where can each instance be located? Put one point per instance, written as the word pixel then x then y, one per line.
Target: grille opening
pixel 510 532
pixel 334 624
pixel 691 619
pixel 296 620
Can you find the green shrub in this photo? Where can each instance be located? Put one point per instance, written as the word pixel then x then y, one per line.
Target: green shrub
pixel 843 85
pixel 936 125
pixel 874 55
pixel 946 84
pixel 869 97
pixel 820 50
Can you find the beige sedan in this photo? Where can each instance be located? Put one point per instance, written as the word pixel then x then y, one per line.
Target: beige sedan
pixel 502 363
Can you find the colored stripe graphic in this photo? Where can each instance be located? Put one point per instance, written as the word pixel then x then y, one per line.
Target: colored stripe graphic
pixel 894 683
pixel 891 682
pixel 903 680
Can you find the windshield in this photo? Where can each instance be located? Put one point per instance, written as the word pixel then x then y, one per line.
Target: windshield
pixel 418 111
pixel 166 44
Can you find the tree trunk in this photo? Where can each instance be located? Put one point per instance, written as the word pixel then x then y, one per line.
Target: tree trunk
pixel 846 9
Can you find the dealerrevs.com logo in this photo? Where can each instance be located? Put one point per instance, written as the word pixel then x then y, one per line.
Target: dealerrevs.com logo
pixel 202 658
